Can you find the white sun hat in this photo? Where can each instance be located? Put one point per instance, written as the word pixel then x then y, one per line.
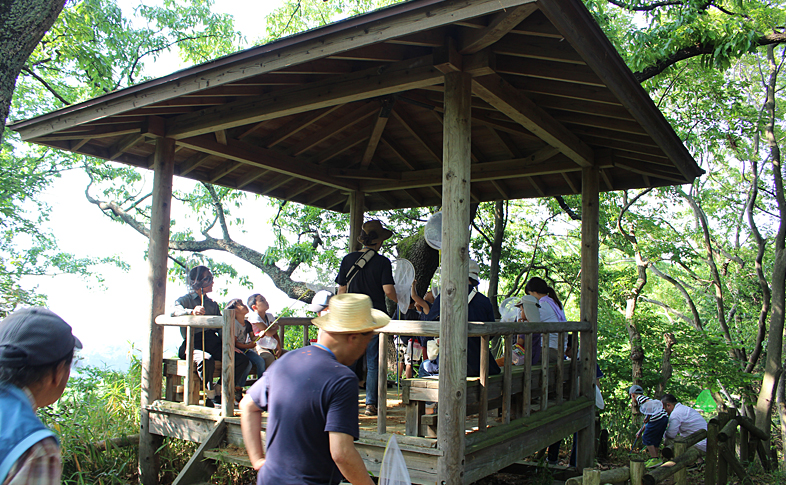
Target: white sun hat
pixel 351 313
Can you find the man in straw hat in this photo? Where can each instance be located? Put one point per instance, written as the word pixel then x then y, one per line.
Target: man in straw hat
pixel 369 273
pixel 36 351
pixel 311 397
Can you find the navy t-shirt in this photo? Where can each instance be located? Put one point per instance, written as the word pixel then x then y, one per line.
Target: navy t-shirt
pixel 306 394
pixel 369 280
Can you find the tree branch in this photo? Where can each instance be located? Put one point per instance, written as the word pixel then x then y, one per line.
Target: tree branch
pixel 46 85
pixel 700 49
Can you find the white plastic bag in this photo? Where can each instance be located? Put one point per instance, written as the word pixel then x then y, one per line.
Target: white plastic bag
pixel 403 276
pixel 507 310
pixel 651 407
pixel 599 403
pixel 394 468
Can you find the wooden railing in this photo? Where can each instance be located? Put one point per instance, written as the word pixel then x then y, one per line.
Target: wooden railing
pixel 485 330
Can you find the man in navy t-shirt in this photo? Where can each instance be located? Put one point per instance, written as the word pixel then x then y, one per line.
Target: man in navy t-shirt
pixel 311 397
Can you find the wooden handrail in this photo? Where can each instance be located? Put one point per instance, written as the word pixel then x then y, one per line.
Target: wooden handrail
pixel 417 328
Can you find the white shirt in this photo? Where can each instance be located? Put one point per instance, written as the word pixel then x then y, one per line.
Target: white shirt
pixel 547 314
pixel 684 421
pixel 259 325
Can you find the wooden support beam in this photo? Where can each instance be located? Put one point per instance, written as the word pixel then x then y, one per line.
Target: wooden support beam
pixel 588 341
pixel 475 40
pixel 500 186
pixel 349 142
pixel 299 189
pixel 498 93
pixel 455 264
pixel 74 146
pixel 549 70
pixel 416 132
pixel 275 184
pixel 153 356
pixel 376 132
pixel 294 127
pixel 193 163
pixel 223 170
pixel 252 178
pixel 538 185
pixel 127 142
pixel 346 122
pixel 357 201
pixel 198 469
pixel 228 364
pixel 538 163
pixel 401 76
pixel 320 194
pixel 397 151
pixel 221 136
pixel 269 159
pixel 541 48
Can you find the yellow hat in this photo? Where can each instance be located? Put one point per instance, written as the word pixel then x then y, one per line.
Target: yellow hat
pixel 351 313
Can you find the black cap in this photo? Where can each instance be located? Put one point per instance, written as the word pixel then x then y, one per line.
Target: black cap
pixel 35 336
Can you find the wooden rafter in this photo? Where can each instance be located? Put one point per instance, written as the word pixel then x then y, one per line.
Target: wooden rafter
pixel 107 131
pixel 125 143
pixel 401 76
pixel 417 133
pixel 537 48
pixel 192 163
pixel 337 149
pixel 564 89
pixel 298 124
pixel 252 178
pixel 397 151
pixel 502 23
pixel 275 183
pixel 346 122
pixel 265 158
pixel 498 93
pixel 552 71
pixel 376 132
pixel 223 170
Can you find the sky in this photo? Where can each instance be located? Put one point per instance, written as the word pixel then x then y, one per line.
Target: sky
pixel 110 319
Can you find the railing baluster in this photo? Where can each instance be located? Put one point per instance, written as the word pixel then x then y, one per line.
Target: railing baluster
pixel 544 371
pixel 574 368
pixel 188 382
pixel 382 384
pixel 559 378
pixel 483 412
pixel 527 405
pixel 507 379
pixel 305 336
pixel 228 365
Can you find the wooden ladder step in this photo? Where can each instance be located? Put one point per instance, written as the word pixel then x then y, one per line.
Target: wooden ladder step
pixel 229 456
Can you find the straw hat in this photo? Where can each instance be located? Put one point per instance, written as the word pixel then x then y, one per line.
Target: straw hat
pixel 351 313
pixel 375 231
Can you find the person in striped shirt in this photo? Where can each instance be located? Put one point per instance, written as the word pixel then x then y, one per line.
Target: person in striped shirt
pixel 655 422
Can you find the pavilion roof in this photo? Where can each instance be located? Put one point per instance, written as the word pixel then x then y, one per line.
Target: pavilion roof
pixel 357 106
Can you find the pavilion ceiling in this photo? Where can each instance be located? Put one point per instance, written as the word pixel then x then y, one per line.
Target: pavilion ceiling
pixel 358 106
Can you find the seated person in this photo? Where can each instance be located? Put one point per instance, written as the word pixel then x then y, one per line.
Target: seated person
pixel 480 310
pixel 268 344
pixel 244 342
pixel 208 340
pixel 529 311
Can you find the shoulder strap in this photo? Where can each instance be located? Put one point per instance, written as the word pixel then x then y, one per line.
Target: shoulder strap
pixel 472 295
pixel 360 264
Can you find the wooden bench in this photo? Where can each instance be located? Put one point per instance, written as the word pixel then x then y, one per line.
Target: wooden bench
pixel 418 391
pixel 174 372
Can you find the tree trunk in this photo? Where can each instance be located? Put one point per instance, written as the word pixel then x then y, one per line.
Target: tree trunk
pixel 772 368
pixel 423 257
pixel 23 24
pixel 500 221
pixel 665 367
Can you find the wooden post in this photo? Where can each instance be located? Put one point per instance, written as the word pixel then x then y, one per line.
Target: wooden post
pixel 723 469
pixel 507 379
pixel 527 375
pixel 588 345
pixel 711 460
pixel 188 383
pixel 681 477
pixel 637 470
pixel 483 412
pixel 574 369
pixel 544 371
pixel 306 341
pixel 153 357
pixel 228 365
pixel 357 200
pixel 382 384
pixel 591 477
pixel 559 377
pixel 456 177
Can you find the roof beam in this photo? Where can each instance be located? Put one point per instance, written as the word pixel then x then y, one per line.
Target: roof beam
pixel 337 149
pixel 124 144
pixel 376 132
pixel 192 163
pixel 498 93
pixel 502 23
pixel 402 117
pixel 291 128
pixel 370 83
pixel 538 163
pixel 344 123
pixel 266 158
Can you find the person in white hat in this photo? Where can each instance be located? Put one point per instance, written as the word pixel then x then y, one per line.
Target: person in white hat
pixel 369 273
pixel 311 397
pixel 479 310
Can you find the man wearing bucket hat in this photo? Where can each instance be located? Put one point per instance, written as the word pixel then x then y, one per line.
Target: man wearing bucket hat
pixel 311 399
pixel 36 350
pixel 369 273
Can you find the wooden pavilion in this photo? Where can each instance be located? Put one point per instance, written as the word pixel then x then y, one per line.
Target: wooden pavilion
pixel 425 103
